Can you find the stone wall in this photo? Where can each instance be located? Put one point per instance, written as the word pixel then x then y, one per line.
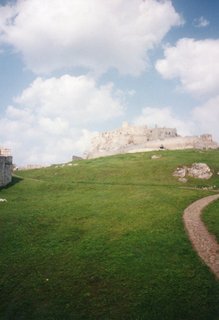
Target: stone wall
pixel 6 168
pixel 135 139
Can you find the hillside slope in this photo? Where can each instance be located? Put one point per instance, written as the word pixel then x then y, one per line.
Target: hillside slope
pixel 104 239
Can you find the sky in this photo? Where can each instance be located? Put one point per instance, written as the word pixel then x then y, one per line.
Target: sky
pixel 72 68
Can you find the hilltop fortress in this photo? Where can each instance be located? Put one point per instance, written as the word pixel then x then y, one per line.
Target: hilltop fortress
pixel 130 138
pixel 6 167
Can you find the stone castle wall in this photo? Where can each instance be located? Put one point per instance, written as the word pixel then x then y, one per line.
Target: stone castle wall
pixel 6 168
pixel 135 139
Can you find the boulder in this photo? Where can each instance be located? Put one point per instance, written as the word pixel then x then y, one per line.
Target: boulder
pixel 180 172
pixel 197 170
pixel 155 157
pixel 200 171
pixel 184 180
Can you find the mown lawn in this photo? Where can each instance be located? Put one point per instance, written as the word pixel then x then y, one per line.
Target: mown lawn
pixel 211 218
pixel 104 239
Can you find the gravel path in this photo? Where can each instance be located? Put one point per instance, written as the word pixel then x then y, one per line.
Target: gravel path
pixel 203 242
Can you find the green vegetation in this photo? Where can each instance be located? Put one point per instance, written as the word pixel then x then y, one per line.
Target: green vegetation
pixel 211 218
pixel 104 239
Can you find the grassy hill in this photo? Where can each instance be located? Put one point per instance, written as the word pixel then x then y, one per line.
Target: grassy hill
pixel 104 239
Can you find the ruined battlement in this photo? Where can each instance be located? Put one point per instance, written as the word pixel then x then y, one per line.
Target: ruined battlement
pixel 130 138
pixel 6 167
pixel 138 133
pixel 5 152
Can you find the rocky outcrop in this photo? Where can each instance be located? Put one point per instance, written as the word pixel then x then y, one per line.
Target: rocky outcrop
pixel 200 171
pixel 180 172
pixel 155 156
pixel 6 168
pixel 129 139
pixel 197 170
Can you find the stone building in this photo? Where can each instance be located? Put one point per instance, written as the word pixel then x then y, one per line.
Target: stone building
pixel 6 167
pixel 130 138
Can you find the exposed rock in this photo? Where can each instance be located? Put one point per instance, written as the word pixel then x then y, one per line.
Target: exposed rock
pixel 180 172
pixel 155 157
pixel 208 188
pixel 200 171
pixel 184 180
pixel 197 170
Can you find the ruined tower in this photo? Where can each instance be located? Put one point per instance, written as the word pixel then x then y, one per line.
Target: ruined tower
pixel 6 167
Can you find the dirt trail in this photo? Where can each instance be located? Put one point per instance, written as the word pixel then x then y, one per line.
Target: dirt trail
pixel 203 242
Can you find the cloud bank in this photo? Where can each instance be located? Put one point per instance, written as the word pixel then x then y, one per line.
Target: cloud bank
pixel 161 117
pixel 96 35
pixel 47 123
pixel 195 63
pixel 206 117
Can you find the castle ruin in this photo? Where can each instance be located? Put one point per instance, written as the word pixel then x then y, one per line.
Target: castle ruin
pixel 6 167
pixel 130 138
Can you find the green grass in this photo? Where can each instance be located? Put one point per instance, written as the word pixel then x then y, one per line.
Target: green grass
pixel 211 218
pixel 105 240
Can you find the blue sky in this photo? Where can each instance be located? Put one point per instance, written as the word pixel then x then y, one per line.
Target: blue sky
pixel 71 68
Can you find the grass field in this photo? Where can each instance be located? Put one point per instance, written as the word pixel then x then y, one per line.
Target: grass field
pixel 104 239
pixel 211 218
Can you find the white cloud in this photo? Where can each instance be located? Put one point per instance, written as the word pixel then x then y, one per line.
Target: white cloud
pixel 164 117
pixel 97 34
pixel 194 63
pixel 131 93
pixel 77 97
pixel 207 116
pixel 47 123
pixel 201 22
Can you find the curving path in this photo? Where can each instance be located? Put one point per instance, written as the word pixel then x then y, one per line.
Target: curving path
pixel 203 242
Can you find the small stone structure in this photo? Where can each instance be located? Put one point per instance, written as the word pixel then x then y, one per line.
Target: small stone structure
pixel 76 158
pixel 6 167
pixel 132 138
